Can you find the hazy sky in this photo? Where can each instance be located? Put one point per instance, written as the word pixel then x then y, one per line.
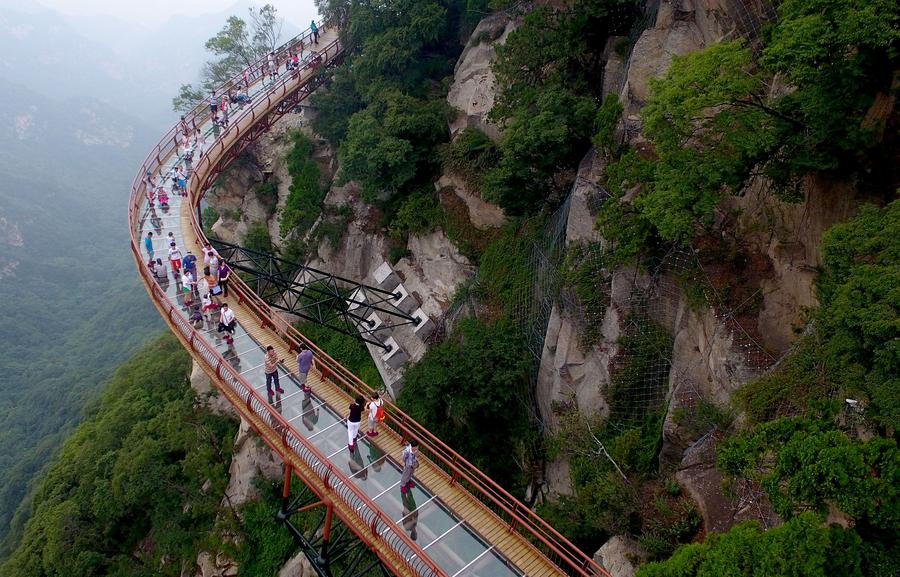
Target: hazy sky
pixel 153 12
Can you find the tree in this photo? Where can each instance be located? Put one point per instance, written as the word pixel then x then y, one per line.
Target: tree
pixel 235 47
pixel 471 391
pixel 802 546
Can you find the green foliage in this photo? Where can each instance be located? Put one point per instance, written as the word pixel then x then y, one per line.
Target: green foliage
pixel 814 465
pixel 398 252
pixel 643 343
pixel 392 141
pixel 714 118
pixel 209 217
pixel 605 124
pixel 265 544
pixel 852 352
pixel 125 492
pixel 859 316
pixel 235 47
pixel 584 269
pixel 602 506
pixel 802 546
pixel 335 105
pixel 791 387
pixel 471 391
pixel 471 155
pixel 257 238
pixel 535 145
pixel 306 193
pixel 348 351
pixel 547 98
pixel 420 213
pixel 505 265
pixel 267 194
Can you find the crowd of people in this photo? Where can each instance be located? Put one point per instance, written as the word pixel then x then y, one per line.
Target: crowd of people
pixel 202 286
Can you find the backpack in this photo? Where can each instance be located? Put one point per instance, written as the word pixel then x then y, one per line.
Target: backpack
pixel 379 413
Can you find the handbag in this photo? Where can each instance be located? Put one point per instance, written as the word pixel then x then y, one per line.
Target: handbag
pixel 216 290
pixel 221 328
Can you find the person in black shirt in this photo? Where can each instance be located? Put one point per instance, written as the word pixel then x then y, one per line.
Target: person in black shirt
pixel 356 409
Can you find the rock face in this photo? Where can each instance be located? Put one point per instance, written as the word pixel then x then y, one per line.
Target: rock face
pixel 234 196
pixel 790 234
pixel 683 26
pixel 621 556
pixel 251 458
pixel 472 91
pixel 698 475
pixel 482 214
pixel 201 383
pixel 297 566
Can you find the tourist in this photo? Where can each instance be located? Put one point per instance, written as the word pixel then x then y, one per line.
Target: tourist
pixel 353 420
pixel 188 285
pixel 271 370
pixel 410 462
pixel 148 244
pixel 174 257
pixel 213 104
pixel 189 262
pixel 224 275
pixel 227 322
pixel 304 362
pixel 273 66
pixel 196 318
pixel 160 271
pixel 376 414
pixel 315 31
pixel 199 143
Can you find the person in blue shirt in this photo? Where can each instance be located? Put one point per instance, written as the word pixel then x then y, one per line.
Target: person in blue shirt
pixel 148 244
pixel 189 262
pixel 315 31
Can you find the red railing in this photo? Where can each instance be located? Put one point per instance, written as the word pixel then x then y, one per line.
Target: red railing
pixel 543 537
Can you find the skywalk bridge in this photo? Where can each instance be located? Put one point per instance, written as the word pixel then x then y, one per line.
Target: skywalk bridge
pixel 456 521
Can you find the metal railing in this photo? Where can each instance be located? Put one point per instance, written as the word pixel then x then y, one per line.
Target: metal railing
pixel 542 537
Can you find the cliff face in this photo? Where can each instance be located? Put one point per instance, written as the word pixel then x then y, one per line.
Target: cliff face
pixel 716 347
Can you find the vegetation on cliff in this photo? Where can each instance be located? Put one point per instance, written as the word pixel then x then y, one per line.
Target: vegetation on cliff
pixel 137 485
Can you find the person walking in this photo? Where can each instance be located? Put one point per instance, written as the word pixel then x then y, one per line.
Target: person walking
pixel 410 462
pixel 315 31
pixel 304 362
pixel 353 420
pixel 224 275
pixel 213 104
pixel 376 414
pixel 227 323
pixel 271 370
pixel 160 271
pixel 175 258
pixel 189 262
pixel 188 286
pixel 212 282
pixel 273 66
pixel 148 244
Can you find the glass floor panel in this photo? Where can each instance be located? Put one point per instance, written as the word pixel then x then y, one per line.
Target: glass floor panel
pixel 490 564
pixel 456 549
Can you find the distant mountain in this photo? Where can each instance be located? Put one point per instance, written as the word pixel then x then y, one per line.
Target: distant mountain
pixel 71 304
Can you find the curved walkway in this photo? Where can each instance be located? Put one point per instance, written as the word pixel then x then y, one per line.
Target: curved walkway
pixel 456 521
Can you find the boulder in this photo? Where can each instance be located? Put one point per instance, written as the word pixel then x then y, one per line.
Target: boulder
pixel 620 556
pixel 472 92
pixel 212 399
pixel 703 482
pixel 251 458
pixel 297 566
pixel 482 214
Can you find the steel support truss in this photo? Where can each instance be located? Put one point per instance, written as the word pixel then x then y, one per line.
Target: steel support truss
pixel 330 550
pixel 361 311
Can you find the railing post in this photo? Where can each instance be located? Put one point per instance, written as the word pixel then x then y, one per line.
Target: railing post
pixel 286 490
pixel 326 534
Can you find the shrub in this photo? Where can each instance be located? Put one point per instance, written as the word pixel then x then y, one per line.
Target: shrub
pixel 471 155
pixel 257 238
pixel 304 202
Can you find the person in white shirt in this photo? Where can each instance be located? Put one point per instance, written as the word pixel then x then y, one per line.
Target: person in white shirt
pixel 175 257
pixel 227 322
pixel 374 405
